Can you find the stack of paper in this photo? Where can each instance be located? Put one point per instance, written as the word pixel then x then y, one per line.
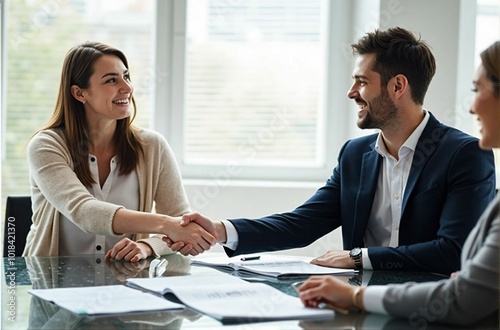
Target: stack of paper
pixel 268 265
pixel 230 299
pixel 104 300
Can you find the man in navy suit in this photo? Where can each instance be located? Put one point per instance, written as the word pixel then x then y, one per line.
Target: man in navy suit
pixel 406 197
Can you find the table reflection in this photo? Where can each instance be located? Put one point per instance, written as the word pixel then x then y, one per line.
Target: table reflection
pixel 77 271
pixel 59 272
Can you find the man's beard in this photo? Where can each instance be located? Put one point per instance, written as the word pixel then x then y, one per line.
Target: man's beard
pixel 381 113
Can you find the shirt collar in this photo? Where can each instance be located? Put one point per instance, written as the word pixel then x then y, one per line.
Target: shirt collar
pixel 409 144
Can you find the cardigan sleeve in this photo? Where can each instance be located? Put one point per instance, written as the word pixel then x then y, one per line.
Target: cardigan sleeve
pixel 161 177
pixel 53 176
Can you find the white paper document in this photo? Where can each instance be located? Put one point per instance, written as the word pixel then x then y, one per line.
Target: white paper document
pixel 230 299
pixel 268 265
pixel 105 300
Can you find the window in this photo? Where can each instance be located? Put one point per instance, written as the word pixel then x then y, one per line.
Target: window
pixel 253 83
pixel 37 35
pixel 487 32
pixel 487 25
pixel 254 78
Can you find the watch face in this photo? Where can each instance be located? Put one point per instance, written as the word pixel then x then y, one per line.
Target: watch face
pixel 355 252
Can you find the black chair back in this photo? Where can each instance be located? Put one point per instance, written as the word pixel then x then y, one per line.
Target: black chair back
pixel 18 214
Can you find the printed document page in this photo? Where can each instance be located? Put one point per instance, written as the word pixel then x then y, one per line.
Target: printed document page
pixel 230 299
pixel 269 265
pixel 103 300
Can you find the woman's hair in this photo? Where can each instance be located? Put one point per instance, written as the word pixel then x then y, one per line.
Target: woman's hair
pixel 69 113
pixel 490 59
pixel 398 51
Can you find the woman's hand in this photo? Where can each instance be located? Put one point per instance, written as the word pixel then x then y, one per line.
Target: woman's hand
pixel 192 235
pixel 128 250
pixel 186 219
pixel 327 289
pixel 124 270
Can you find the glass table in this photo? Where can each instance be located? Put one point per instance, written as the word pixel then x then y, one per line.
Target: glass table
pixel 20 310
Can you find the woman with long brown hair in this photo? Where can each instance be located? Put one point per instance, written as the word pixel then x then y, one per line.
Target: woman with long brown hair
pixel 95 177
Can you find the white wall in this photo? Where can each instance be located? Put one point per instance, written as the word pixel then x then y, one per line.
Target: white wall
pixel 449 28
pixel 439 22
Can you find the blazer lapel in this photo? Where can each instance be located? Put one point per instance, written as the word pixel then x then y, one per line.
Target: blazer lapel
pixel 425 148
pixel 364 200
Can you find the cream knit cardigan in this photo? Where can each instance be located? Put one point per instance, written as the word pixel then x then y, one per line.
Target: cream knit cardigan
pixel 56 189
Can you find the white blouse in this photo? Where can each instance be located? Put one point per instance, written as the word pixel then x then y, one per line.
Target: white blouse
pixel 117 189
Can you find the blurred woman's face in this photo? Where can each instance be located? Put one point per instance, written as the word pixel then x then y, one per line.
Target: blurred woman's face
pixel 487 108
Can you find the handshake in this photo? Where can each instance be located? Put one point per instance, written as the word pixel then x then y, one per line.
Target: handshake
pixel 195 234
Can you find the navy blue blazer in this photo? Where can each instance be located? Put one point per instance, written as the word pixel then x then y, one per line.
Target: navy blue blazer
pixel 450 184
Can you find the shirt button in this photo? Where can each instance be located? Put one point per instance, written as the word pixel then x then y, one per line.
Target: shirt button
pixel 98 248
pixel 92 159
pixel 396 197
pixel 396 228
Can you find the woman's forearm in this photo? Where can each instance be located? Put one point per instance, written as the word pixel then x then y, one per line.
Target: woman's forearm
pixel 134 222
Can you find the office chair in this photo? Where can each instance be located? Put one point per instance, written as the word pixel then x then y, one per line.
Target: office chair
pixel 17 224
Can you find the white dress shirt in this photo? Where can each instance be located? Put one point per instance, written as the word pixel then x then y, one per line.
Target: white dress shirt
pixel 117 189
pixel 383 225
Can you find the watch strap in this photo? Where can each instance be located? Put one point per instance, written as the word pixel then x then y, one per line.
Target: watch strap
pixel 356 258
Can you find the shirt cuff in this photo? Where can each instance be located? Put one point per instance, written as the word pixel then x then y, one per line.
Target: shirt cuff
pixel 231 235
pixel 367 264
pixel 373 299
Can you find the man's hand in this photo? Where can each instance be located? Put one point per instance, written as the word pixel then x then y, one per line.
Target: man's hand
pixel 128 250
pixel 217 229
pixel 204 222
pixel 335 258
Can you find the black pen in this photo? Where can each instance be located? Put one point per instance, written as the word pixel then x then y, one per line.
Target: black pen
pixel 250 258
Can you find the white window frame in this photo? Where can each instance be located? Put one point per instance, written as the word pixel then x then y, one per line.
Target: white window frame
pixel 347 18
pixel 170 98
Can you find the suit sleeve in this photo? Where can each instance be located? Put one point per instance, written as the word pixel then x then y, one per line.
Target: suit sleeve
pixel 318 216
pixel 464 300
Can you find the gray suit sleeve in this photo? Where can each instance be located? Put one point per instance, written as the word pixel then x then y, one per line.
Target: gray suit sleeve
pixel 464 300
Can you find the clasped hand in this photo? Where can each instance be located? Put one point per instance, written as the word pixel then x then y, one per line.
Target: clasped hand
pixel 200 246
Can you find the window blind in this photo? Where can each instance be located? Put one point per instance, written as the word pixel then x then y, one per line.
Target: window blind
pixel 254 73
pixel 38 35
